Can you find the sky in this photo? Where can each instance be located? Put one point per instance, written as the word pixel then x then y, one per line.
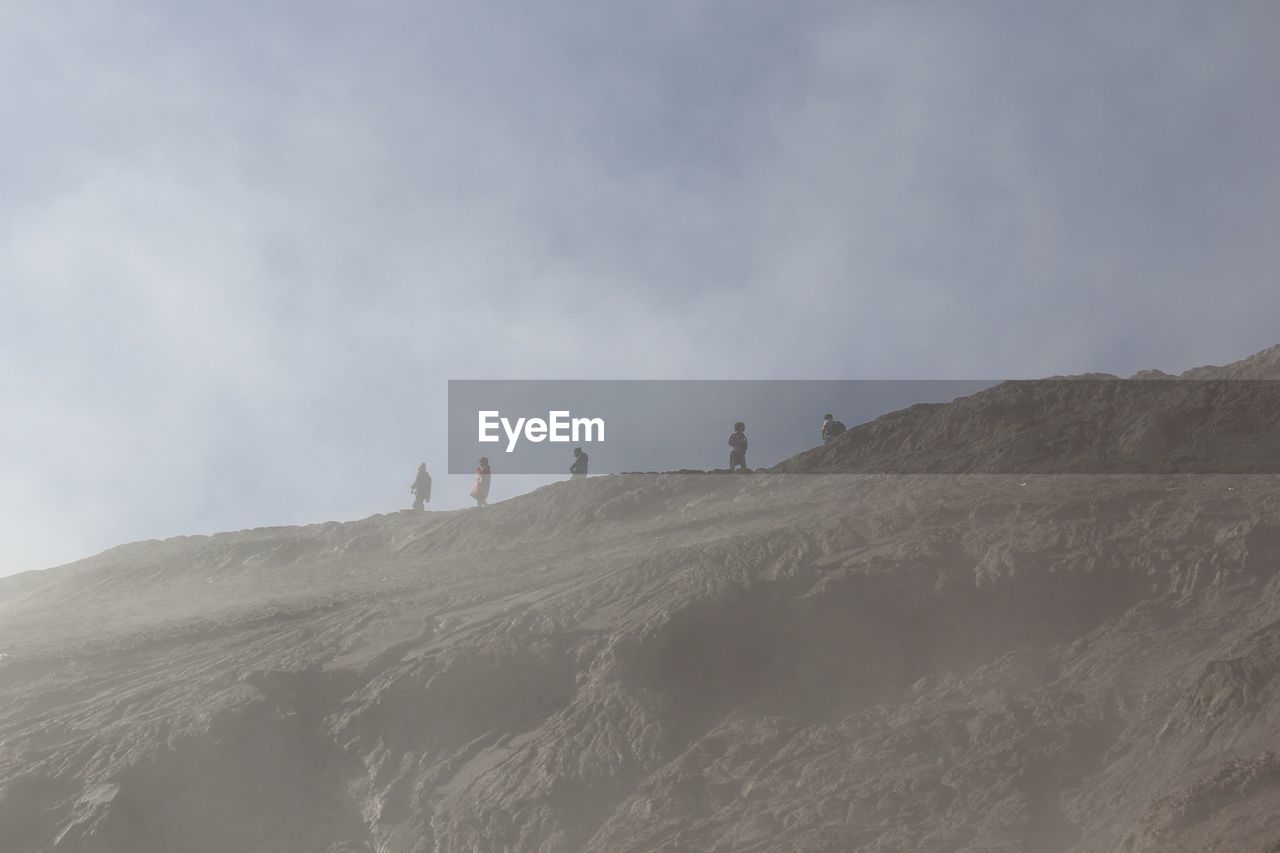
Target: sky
pixel 244 246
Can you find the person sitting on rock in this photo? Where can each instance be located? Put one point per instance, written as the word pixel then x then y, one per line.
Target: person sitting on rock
pixel 480 491
pixel 738 448
pixel 579 467
pixel 421 488
pixel 830 427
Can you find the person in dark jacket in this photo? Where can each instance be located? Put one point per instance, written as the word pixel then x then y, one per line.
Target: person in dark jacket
pixel 579 467
pixel 738 448
pixel 421 488
pixel 831 428
pixel 480 491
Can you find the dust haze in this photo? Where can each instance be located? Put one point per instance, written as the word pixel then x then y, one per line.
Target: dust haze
pixel 800 658
pixel 242 249
pixel 245 249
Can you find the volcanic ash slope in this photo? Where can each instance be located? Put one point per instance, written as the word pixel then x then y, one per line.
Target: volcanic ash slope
pixel 781 661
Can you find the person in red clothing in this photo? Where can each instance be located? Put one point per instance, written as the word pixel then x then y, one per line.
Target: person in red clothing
pixel 480 491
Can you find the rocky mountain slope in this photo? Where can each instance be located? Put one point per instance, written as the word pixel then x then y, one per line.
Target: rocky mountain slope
pixel 793 660
pixel 1210 420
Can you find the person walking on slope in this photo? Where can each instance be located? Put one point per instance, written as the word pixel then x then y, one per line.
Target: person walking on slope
pixel 738 448
pixel 578 469
pixel 421 488
pixel 830 427
pixel 480 491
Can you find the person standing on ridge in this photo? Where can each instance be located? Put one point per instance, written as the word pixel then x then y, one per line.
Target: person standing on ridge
pixel 738 448
pixel 421 488
pixel 831 427
pixel 480 491
pixel 578 469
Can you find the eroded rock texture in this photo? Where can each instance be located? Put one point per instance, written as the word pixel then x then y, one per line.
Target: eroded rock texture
pixel 781 661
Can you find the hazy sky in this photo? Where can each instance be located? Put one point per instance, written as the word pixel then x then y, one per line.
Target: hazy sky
pixel 244 245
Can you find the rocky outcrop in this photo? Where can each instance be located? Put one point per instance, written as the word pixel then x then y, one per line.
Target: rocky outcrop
pixel 832 661
pixel 1211 420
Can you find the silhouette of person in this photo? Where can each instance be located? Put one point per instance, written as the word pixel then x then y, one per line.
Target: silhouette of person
pixel 480 491
pixel 421 488
pixel 738 448
pixel 579 467
pixel 831 428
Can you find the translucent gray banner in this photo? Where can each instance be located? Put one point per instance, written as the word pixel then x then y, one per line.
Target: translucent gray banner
pixel 660 425
pixel 1071 425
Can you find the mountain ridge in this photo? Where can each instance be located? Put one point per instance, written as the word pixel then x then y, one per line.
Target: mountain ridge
pixel 1208 420
pixel 875 662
